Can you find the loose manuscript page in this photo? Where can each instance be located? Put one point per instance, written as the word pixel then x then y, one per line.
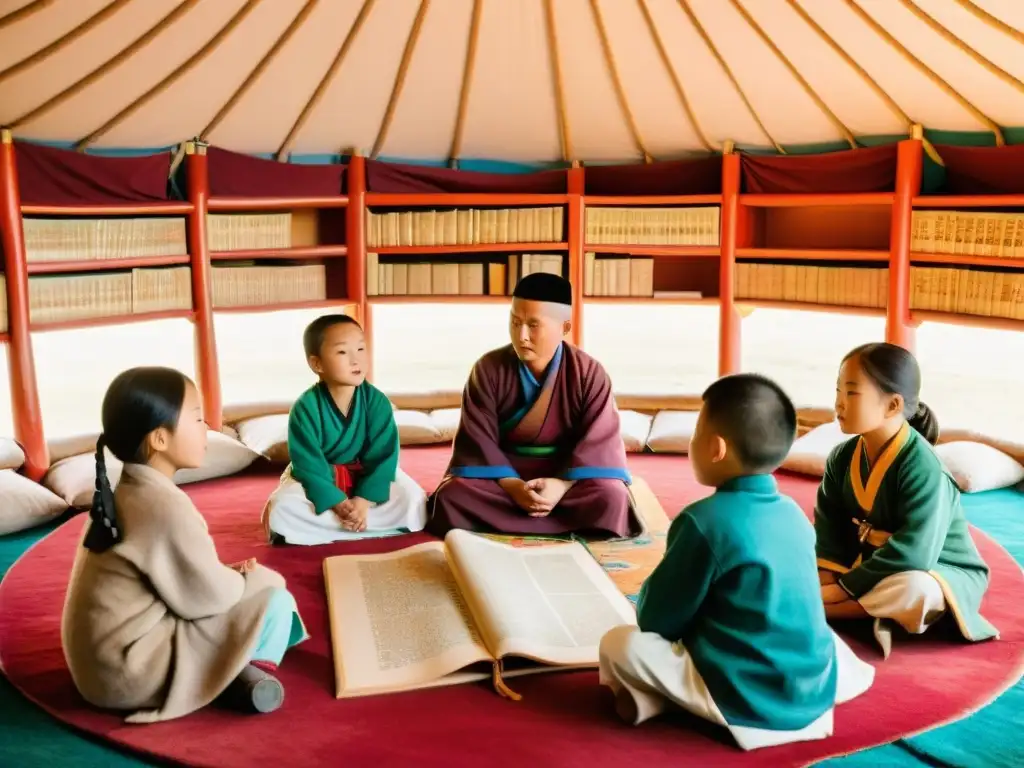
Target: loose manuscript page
pixel 399 622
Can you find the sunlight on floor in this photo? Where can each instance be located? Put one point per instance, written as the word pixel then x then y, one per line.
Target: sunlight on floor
pixel 971 376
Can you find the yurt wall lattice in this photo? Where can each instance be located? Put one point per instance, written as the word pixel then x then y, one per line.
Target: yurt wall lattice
pixel 846 232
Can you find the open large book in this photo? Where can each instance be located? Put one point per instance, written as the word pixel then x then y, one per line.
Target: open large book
pixel 466 609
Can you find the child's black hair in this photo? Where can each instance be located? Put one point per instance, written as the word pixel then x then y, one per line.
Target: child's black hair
pixel 137 401
pixel 313 336
pixel 895 371
pixel 755 416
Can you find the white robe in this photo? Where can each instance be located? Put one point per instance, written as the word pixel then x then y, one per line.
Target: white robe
pixel 659 674
pixel 290 514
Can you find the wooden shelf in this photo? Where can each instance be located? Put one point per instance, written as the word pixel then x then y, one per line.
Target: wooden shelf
pixel 299 252
pixel 440 299
pixel 226 204
pixel 651 200
pixel 703 301
pixel 321 304
pixel 679 251
pixel 801 201
pixel 812 254
pixel 426 250
pixel 462 199
pixel 969 201
pixel 93 322
pixel 806 306
pixel 963 260
pixel 918 316
pixel 104 265
pixel 172 208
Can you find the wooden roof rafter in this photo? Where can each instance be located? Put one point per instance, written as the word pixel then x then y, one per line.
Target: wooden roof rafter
pixel 20 14
pixel 620 91
pixel 264 63
pixel 64 40
pixel 992 21
pixel 685 5
pixel 924 69
pixel 472 40
pixel 326 79
pixel 846 133
pixel 558 82
pixel 114 61
pixel 677 82
pixel 191 62
pixel 399 84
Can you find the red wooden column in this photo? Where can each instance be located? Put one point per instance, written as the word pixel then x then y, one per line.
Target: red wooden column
pixel 28 415
pixel 898 329
pixel 207 365
pixel 729 319
pixel 355 242
pixel 575 220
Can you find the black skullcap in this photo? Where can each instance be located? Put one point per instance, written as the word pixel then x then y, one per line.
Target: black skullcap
pixel 543 286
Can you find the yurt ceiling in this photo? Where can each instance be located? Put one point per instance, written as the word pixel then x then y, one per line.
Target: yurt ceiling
pixel 529 81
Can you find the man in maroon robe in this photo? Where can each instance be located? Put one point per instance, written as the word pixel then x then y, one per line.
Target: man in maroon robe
pixel 538 449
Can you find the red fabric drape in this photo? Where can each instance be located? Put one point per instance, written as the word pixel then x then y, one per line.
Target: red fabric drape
pixel 871 169
pixel 982 170
pixel 51 176
pixel 674 177
pixel 412 179
pixel 233 174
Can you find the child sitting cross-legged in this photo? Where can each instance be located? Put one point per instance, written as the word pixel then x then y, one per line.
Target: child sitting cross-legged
pixel 731 625
pixel 343 481
pixel 154 624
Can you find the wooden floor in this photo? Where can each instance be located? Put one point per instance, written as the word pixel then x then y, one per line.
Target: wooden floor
pixel 971 376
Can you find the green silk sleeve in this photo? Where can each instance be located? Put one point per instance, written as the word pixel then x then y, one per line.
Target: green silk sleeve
pixel 836 544
pixel 308 464
pixel 673 593
pixel 379 458
pixel 926 499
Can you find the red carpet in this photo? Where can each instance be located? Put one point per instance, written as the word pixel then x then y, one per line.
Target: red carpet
pixel 564 719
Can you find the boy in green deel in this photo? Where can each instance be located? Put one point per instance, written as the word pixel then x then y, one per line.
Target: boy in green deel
pixel 731 626
pixel 343 481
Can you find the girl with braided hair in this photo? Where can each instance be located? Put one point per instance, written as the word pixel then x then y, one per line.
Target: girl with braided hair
pixel 154 624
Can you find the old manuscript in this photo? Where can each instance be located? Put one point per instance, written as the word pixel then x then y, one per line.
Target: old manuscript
pixel 452 612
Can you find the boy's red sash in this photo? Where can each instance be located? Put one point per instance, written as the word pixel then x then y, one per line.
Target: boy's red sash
pixel 344 476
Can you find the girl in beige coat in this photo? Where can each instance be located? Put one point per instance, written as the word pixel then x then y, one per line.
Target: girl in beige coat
pixel 153 622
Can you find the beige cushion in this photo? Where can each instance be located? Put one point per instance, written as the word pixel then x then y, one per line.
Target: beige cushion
pixel 76 445
pixel 74 479
pixel 978 467
pixel 446 422
pixel 25 504
pixel 808 454
pixel 634 428
pixel 267 435
pixel 416 428
pixel 672 431
pixel 11 455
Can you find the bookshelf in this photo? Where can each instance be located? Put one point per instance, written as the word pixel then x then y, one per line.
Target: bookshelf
pixel 847 232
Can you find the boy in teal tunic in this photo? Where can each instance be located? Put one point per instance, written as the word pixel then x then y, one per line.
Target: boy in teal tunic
pixel 730 624
pixel 343 481
pixel 893 541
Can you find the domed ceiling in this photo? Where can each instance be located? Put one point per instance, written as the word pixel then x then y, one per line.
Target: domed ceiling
pixel 517 80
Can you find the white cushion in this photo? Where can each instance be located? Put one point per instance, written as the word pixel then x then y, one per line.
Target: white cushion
pixel 25 504
pixel 809 453
pixel 978 467
pixel 267 435
pixel 446 422
pixel 634 428
pixel 74 479
pixel 416 428
pixel 11 455
pixel 1009 440
pixel 672 431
